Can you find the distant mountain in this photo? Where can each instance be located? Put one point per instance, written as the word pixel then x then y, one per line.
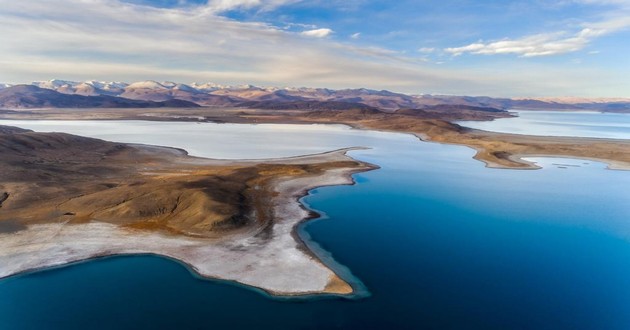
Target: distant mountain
pixel 12 130
pixel 577 100
pixel 161 92
pixel 53 84
pixel 306 105
pixel 30 96
pixel 456 112
pixel 210 94
pixel 604 105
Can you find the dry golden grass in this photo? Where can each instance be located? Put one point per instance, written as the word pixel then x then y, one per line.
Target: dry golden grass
pixel 77 180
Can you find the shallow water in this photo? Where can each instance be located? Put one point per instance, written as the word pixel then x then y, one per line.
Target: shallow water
pixel 559 123
pixel 438 239
pixel 222 141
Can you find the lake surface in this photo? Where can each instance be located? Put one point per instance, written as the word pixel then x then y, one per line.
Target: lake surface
pixel 221 141
pixel 440 241
pixel 559 123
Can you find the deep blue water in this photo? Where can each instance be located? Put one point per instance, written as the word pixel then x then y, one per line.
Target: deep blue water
pixel 440 241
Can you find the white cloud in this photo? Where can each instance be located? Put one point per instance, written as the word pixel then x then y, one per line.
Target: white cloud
pixel 289 26
pixel 113 40
pixel 317 33
pixel 536 45
pixel 223 5
pixel 426 50
pixel 226 5
pixel 355 35
pixel 545 44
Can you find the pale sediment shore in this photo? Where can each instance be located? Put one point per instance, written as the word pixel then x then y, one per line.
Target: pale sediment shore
pixel 274 259
pixel 516 161
pixel 506 151
pixel 496 150
pixel 528 165
pixel 271 258
pixel 610 164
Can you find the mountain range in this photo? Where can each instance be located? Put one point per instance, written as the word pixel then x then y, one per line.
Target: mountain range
pixel 30 96
pixel 62 93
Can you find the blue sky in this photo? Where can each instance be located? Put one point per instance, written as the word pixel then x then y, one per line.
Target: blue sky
pixel 496 48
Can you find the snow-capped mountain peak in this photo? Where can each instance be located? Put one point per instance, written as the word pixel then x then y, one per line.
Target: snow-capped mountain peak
pixel 206 87
pixel 54 83
pixel 184 87
pixel 168 84
pixel 148 84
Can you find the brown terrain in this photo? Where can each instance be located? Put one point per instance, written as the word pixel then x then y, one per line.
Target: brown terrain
pixel 56 177
pixel 433 123
pixel 215 216
pixel 66 198
pixel 495 149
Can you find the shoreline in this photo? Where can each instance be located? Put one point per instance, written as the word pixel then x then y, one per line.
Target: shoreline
pixel 288 202
pixel 496 150
pixel 312 247
pixel 610 164
pixel 317 278
pixel 517 158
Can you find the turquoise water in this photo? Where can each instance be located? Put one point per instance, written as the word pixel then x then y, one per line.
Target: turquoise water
pixel 560 123
pixel 440 241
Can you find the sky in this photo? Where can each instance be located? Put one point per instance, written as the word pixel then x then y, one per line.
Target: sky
pixel 458 47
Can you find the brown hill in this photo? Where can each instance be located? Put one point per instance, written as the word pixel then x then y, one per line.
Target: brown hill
pixel 305 105
pixel 28 96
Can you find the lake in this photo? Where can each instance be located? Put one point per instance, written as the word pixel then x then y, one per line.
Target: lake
pixel 220 141
pixel 559 123
pixel 439 240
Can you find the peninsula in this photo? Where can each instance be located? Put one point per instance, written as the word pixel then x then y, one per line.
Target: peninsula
pixel 497 150
pixel 67 198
